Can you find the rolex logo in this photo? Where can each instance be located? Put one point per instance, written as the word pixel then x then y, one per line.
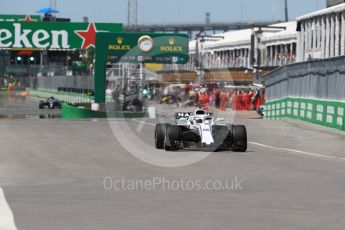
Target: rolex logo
pixel 171 41
pixel 120 40
pixel 171 47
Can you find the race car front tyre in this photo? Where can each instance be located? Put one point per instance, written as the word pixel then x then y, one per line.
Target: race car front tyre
pixel 222 137
pixel 174 132
pixel 239 136
pixel 173 135
pixel 160 136
pixel 41 105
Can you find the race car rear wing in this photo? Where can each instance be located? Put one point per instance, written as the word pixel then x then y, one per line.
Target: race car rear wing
pixel 183 115
pixel 186 115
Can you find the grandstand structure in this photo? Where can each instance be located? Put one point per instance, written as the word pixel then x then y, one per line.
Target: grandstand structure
pixel 321 34
pixel 270 46
pixel 318 35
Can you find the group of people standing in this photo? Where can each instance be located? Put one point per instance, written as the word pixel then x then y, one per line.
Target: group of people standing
pixel 246 100
pixel 204 97
pixel 236 100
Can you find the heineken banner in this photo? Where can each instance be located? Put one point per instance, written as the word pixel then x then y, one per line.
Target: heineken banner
pixel 19 18
pixel 52 35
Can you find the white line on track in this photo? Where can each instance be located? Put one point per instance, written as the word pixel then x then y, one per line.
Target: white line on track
pixel 271 147
pixel 297 151
pixel 144 122
pixel 6 215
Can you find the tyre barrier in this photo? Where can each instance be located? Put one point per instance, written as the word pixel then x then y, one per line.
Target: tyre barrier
pixel 321 112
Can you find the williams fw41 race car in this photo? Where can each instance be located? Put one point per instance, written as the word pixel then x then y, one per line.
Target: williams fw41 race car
pixel 50 103
pixel 198 130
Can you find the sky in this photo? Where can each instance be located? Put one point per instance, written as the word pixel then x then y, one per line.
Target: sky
pixel 168 11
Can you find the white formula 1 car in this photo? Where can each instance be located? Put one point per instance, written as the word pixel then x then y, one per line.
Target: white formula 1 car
pixel 198 130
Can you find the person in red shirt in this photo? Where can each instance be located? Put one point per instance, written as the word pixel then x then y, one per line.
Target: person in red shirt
pixel 234 100
pixel 260 100
pixel 247 100
pixel 239 104
pixel 206 101
pixel 252 98
pixel 244 99
pixel 201 99
pixel 10 87
pixel 223 100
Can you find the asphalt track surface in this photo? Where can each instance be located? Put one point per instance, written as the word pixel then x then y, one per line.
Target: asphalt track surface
pixel 52 174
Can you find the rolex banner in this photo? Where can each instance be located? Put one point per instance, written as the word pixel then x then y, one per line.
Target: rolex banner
pixel 52 35
pixel 162 48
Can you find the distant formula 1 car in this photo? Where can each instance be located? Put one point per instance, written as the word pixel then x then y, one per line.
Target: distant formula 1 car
pixel 198 130
pixel 50 103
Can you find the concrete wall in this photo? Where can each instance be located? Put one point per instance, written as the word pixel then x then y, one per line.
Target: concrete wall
pixel 322 79
pixel 310 91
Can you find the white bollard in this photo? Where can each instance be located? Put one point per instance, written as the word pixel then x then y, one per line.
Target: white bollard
pixel 95 106
pixel 152 112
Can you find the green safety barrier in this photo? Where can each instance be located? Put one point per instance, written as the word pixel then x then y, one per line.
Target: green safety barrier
pixel 74 112
pixel 321 112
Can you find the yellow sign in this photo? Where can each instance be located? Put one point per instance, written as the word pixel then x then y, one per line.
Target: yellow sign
pixel 154 67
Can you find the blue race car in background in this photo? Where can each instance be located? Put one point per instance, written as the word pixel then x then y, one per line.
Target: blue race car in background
pixel 50 103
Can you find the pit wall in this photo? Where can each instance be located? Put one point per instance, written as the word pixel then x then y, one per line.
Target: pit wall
pixel 321 112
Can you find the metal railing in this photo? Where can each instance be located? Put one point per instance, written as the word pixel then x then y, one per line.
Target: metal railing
pixel 56 82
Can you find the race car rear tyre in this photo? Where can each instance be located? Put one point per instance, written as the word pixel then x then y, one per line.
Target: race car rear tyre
pixel 239 136
pixel 160 136
pixel 173 135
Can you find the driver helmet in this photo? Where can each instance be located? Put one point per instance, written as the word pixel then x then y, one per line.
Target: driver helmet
pixel 199 121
